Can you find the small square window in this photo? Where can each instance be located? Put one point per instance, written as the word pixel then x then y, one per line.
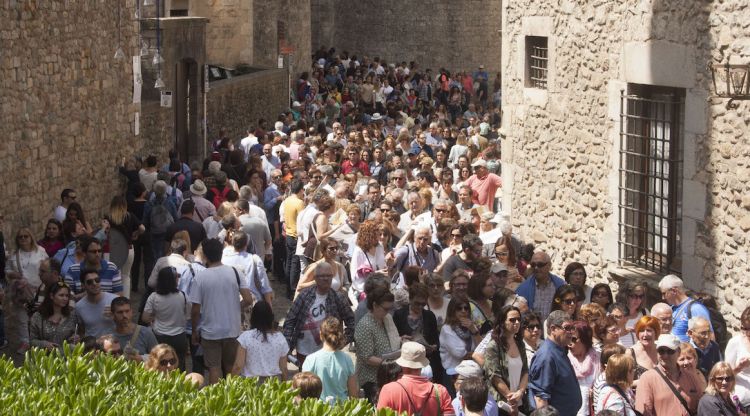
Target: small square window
pixel 536 62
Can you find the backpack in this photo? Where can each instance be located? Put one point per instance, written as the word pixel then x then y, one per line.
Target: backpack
pixel 160 218
pixel 718 323
pixel 220 196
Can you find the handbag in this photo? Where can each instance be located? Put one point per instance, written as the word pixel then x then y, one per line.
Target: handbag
pixel 312 249
pixel 676 393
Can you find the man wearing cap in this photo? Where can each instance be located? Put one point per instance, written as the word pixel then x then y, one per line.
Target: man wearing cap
pixel 483 184
pixel 464 370
pixel 413 393
pixel 552 380
pixel 203 207
pixel 666 389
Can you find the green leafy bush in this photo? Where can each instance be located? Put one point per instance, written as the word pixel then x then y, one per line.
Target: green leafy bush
pixel 76 384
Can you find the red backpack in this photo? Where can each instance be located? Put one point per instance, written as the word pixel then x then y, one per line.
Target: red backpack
pixel 220 196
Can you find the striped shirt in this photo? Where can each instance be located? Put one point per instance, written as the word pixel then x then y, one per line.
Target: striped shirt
pixel 111 281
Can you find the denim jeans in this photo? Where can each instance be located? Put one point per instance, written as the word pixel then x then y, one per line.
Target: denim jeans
pixel 292 265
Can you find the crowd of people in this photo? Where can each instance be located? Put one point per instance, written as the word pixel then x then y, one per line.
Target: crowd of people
pixel 374 201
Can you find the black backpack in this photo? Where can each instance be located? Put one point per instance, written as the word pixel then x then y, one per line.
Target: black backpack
pixel 718 323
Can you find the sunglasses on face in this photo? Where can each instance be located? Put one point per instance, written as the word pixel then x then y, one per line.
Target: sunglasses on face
pixel 568 328
pixel 456 235
pixel 722 379
pixel 440 210
pixel 569 301
pixel 171 362
pixel 463 308
pixel 93 281
pixel 538 265
pixel 533 327
pixel 514 320
pixel 667 351
pixel 635 296
pixel 574 340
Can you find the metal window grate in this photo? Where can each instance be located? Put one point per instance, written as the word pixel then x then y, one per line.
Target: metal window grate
pixel 538 59
pixel 650 170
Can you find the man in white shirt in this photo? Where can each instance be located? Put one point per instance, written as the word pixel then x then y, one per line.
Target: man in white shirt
pixel 255 227
pixel 248 142
pixel 66 197
pixel 214 294
pixel 250 265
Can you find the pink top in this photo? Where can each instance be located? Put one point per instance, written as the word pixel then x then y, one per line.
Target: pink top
pixel 394 396
pixel 484 189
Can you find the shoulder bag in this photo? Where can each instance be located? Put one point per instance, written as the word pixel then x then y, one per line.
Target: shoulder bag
pixel 674 390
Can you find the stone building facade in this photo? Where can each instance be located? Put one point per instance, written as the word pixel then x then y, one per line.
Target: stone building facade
pixel 458 34
pixel 626 105
pixel 65 105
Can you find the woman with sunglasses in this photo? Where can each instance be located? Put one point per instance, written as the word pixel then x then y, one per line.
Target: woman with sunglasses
pixel 532 333
pixel 22 271
pixel 633 294
pixel 718 400
pixel 506 254
pixel 585 361
pixel 54 322
pixel 330 249
pixel 601 294
pixel 567 298
pixel 458 337
pixel 505 367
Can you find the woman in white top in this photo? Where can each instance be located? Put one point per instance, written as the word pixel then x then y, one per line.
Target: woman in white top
pixel 23 265
pixel 634 296
pixel 737 354
pixel 505 367
pixel 330 250
pixel 437 301
pixel 617 395
pixel 459 335
pixel 459 149
pixel 263 349
pixel 368 253
pixel 167 310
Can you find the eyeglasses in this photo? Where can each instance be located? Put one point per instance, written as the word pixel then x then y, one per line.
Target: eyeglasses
pixel 501 253
pixel 440 210
pixel 635 296
pixel 569 301
pixel 171 362
pixel 663 351
pixel 568 328
pixel 533 327
pixel 92 281
pixel 614 330
pixel 574 340
pixel 722 379
pixel 538 265
pixel 514 320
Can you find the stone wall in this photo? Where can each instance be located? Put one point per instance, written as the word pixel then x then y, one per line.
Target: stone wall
pixel 295 15
pixel 459 35
pixel 237 103
pixel 561 156
pixel 65 105
pixel 229 34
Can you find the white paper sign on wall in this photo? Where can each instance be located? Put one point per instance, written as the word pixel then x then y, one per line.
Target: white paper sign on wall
pixel 166 99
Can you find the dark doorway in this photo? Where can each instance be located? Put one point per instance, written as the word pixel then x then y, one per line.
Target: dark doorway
pixel 186 110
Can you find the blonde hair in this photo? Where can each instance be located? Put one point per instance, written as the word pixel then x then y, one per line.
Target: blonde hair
pixel 184 236
pixel 118 209
pixel 618 369
pixel 32 240
pixel 722 367
pixel 157 353
pixel 224 209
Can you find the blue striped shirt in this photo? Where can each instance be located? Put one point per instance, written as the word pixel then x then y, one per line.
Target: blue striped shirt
pixel 111 281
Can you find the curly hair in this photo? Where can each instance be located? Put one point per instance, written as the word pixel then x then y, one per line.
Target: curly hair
pixel 368 234
pixel 157 353
pixel 332 332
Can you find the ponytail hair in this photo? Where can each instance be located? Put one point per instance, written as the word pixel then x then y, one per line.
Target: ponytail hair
pixel 332 332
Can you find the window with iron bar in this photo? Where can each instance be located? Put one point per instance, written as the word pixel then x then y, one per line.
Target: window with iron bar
pixel 536 62
pixel 650 183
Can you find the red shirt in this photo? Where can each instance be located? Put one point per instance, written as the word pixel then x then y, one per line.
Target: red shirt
pixel 347 166
pixel 396 396
pixel 484 189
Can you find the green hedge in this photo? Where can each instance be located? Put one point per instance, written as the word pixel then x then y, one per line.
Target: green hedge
pixel 74 384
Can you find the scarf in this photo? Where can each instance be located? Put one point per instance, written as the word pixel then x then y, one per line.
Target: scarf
pixel 587 367
pixel 464 334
